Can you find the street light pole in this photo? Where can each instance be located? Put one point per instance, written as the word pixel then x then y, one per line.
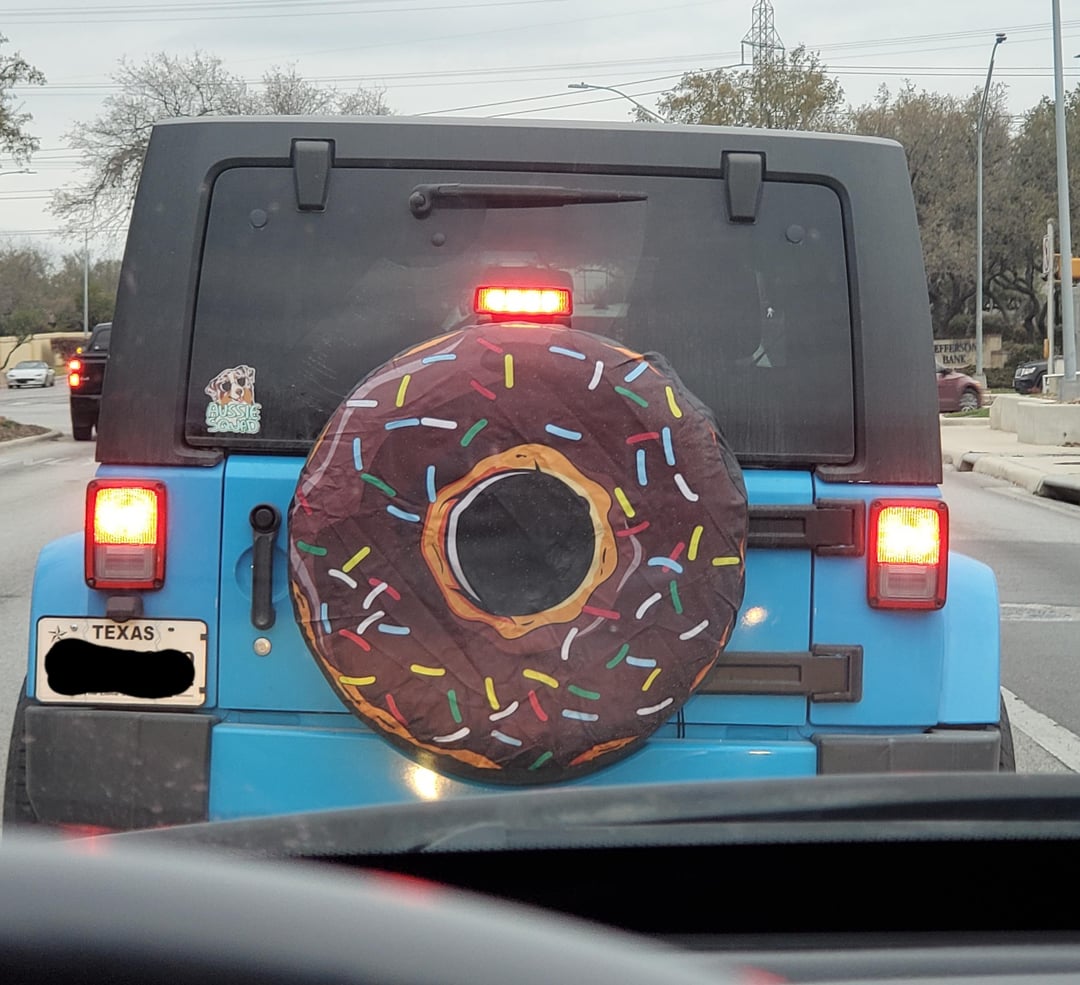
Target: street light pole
pixel 1068 316
pixel 998 39
pixel 619 92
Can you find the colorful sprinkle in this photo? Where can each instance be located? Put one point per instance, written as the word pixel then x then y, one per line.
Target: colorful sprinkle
pixel 461 733
pixel 455 711
pixel 687 492
pixel 674 555
pixel 598 372
pixel 361 403
pixel 535 675
pixel 481 389
pixel 445 357
pixel 647 605
pixel 623 502
pixel 630 531
pixel 580 716
pixel 358 640
pixel 490 345
pixel 341 576
pixel 357 455
pixel 582 693
pixel 675 600
pixel 374 617
pixel 655 708
pixel 630 395
pixel 564 651
pixel 643 436
pixel 669 451
pixel 402 422
pixel 505 713
pixel 503 737
pixel 649 680
pixel 356 559
pixel 562 432
pixel 642 478
pixel 676 411
pixel 508 371
pixel 473 432
pixel 665 562
pixel 392 630
pixel 541 759
pixel 691 633
pixel 394 710
pixel 592 610
pixel 489 689
pixel 403 514
pixel 427 671
pixel 636 372
pixel 534 701
pixel 722 562
pixel 379 588
pixel 356 681
pixel 618 658
pixel 645 662
pixel 325 618
pixel 304 504
pixel 378 483
pixel 438 422
pixel 311 548
pixel 399 401
pixel 695 539
pixel 572 353
pixel 429 482
pixel 376 583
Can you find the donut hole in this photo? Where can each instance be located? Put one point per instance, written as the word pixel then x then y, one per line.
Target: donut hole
pixel 520 542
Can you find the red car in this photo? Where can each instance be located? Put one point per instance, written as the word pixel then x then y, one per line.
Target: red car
pixel 957 391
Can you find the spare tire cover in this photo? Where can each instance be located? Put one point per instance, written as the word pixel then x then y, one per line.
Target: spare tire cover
pixel 517 549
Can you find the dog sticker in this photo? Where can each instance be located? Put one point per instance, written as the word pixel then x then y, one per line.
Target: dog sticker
pixel 232 408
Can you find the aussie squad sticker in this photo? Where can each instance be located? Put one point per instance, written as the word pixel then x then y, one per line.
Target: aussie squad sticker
pixel 232 408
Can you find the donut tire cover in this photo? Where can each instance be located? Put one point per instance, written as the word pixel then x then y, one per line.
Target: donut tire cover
pixel 384 601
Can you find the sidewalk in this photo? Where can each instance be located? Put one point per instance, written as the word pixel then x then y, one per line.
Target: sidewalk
pixel 971 445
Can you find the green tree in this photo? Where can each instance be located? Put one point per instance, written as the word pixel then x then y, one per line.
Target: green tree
pixel 15 139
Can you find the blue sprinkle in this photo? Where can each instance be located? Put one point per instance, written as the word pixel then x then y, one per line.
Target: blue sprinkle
pixel 446 357
pixel 669 452
pixel 666 562
pixel 402 515
pixel 393 630
pixel 640 662
pixel 580 716
pixel 562 432
pixel 642 478
pixel 636 372
pixel 405 422
pixel 325 618
pixel 572 353
pixel 357 455
pixel 431 483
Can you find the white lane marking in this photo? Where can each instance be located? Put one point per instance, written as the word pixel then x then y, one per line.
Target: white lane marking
pixel 1039 612
pixel 1043 730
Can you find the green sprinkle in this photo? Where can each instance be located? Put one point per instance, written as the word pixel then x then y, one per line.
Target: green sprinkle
pixel 451 696
pixel 541 759
pixel 582 693
pixel 311 549
pixel 618 658
pixel 473 432
pixel 378 483
pixel 630 395
pixel 675 600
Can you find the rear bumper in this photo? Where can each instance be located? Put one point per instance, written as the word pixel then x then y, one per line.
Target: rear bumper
pixel 136 769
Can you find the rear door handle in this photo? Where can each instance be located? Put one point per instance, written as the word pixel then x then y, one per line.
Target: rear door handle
pixel 265 521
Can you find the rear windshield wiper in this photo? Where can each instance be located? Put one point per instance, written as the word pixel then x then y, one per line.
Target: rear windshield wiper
pixel 424 198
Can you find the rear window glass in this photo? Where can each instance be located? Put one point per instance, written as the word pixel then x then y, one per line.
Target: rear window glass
pixel 303 305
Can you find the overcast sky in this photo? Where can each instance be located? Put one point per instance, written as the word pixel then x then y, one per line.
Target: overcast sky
pixel 500 57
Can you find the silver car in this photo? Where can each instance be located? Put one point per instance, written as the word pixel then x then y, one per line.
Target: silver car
pixel 31 372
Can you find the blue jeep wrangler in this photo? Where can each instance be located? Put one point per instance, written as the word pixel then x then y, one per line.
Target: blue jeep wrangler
pixel 444 455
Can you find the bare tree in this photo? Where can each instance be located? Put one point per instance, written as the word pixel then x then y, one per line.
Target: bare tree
pixel 14 137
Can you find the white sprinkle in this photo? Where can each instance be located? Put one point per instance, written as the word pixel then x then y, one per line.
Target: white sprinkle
pixel 361 403
pixel 374 617
pixel 503 737
pixel 597 373
pixel 565 651
pixel 341 576
pixel 453 736
pixel 374 594
pixel 691 633
pixel 580 716
pixel 438 422
pixel 684 488
pixel 655 708
pixel 647 605
pixel 505 713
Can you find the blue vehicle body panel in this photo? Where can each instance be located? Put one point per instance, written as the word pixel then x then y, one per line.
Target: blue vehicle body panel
pixel 971 686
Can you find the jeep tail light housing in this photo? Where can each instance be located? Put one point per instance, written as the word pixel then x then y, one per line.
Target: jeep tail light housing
pixel 908 554
pixel 125 534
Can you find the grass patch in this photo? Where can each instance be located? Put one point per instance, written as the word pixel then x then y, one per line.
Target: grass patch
pixel 9 429
pixel 978 412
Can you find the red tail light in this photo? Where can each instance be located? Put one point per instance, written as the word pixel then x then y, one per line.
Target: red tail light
pixel 505 300
pixel 74 373
pixel 125 534
pixel 74 380
pixel 908 554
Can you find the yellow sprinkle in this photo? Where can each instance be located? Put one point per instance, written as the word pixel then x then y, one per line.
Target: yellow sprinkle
pixel 695 539
pixel 720 562
pixel 355 559
pixel 676 412
pixel 624 503
pixel 650 679
pixel 489 686
pixel 401 390
pixel 508 367
pixel 356 681
pixel 427 671
pixel 535 675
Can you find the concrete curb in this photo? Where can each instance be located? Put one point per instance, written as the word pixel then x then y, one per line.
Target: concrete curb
pixel 15 442
pixel 1033 480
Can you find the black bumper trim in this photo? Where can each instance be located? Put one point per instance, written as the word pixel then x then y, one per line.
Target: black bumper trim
pixel 827 672
pixel 936 751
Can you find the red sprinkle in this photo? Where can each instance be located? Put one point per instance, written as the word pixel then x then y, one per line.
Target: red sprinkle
pixel 632 530
pixel 375 583
pixel 358 640
pixel 678 550
pixel 481 389
pixel 535 702
pixel 490 345
pixel 644 436
pixel 304 504
pixel 603 613
pixel 392 705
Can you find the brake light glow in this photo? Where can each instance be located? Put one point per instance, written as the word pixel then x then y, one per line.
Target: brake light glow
pixel 908 555
pixel 74 380
pixel 125 534
pixel 75 365
pixel 74 373
pixel 497 300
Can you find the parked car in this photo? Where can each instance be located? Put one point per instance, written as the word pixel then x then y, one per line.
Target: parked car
pixel 31 372
pixel 1029 377
pixel 957 391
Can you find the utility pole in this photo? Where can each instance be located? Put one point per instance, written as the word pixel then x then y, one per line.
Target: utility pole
pixel 1049 271
pixel 1068 389
pixel 86 287
pixel 761 39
